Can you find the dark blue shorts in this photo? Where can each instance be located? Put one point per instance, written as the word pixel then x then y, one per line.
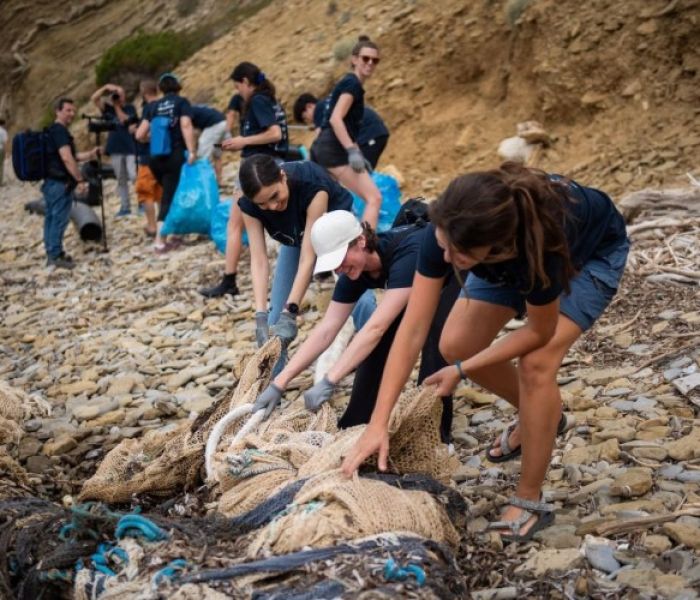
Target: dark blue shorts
pixel 591 290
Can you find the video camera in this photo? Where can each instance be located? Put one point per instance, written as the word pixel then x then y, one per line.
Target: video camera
pixel 100 124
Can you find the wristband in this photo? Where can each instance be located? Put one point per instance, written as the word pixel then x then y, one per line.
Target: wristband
pixel 458 364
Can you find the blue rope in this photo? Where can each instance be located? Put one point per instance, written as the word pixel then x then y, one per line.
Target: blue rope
pixel 393 572
pixel 141 527
pixel 171 571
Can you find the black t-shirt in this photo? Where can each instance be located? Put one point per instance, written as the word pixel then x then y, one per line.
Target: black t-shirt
pixel 593 227
pixel 236 103
pixel 262 113
pixel 406 243
pixel 372 127
pixel 320 112
pixel 59 136
pixel 305 180
pixel 204 116
pixel 173 107
pixel 119 141
pixel 349 84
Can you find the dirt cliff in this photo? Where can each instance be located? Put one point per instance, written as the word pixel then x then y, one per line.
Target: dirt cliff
pixel 615 84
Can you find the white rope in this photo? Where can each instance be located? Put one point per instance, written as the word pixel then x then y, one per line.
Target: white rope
pixel 218 431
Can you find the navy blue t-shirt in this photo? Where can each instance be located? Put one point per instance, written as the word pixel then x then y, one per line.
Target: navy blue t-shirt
pixel 349 84
pixel 236 103
pixel 262 113
pixel 593 227
pixel 59 136
pixel 372 127
pixel 320 111
pixel 305 179
pixel 204 116
pixel 120 141
pixel 143 149
pixel 397 274
pixel 173 107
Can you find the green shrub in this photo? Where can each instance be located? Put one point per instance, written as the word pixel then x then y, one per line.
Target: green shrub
pixel 146 54
pixel 47 117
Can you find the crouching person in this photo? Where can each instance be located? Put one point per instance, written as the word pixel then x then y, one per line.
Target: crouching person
pixel 364 260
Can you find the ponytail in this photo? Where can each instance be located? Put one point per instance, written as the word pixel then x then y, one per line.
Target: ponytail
pixel 257 78
pixel 513 209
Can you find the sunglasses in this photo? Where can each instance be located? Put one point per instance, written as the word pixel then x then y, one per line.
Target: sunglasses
pixel 370 59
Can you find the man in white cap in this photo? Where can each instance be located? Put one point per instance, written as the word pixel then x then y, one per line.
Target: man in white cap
pixel 364 260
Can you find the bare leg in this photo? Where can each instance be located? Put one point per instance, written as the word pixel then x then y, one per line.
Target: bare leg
pixel 471 326
pixel 362 185
pixel 150 212
pixel 540 410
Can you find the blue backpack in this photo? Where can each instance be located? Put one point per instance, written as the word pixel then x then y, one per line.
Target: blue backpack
pixel 30 155
pixel 160 136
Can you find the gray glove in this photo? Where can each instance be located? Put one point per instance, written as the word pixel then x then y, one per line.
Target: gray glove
pixel 262 331
pixel 318 394
pixel 286 327
pixel 356 160
pixel 268 400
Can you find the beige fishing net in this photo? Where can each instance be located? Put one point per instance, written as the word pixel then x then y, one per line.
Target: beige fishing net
pixel 165 463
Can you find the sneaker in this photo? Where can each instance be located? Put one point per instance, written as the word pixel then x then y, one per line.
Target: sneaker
pixel 61 262
pixel 123 212
pixel 227 286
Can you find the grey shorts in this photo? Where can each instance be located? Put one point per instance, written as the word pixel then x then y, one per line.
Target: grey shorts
pixel 591 290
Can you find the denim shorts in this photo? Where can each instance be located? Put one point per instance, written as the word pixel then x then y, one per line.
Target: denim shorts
pixel 592 289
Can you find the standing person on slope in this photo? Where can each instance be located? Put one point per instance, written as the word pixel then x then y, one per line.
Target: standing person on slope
pixel 533 242
pixel 263 130
pixel 336 147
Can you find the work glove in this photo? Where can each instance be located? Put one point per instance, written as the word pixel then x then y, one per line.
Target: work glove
pixel 268 400
pixel 319 394
pixel 356 160
pixel 286 328
pixel 262 331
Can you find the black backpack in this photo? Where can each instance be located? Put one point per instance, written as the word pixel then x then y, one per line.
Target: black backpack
pixel 30 155
pixel 412 212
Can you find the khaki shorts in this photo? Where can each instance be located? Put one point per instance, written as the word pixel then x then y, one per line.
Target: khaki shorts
pixel 147 188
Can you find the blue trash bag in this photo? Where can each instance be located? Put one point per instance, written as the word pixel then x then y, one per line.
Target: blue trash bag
pixel 219 222
pixel 391 200
pixel 196 196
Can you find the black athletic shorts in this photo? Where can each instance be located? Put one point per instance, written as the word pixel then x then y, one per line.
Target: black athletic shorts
pixel 327 151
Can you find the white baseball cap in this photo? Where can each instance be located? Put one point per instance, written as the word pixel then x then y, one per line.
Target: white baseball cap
pixel 331 235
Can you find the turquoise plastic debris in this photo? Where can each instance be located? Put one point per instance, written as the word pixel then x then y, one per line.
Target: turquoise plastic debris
pixel 172 570
pixel 138 526
pixel 393 572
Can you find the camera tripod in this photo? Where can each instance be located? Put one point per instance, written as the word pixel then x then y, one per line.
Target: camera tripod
pixel 95 125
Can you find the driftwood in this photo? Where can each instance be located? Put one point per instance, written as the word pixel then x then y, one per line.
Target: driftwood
pixel 629 525
pixel 683 199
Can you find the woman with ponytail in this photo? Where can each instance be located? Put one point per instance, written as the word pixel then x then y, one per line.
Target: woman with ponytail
pixel 336 148
pixel 532 243
pixel 263 130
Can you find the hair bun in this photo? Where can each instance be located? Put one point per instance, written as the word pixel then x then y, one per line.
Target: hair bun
pixel 363 38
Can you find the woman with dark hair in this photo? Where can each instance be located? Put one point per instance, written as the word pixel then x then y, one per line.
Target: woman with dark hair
pixel 263 130
pixel 534 243
pixel 285 201
pixel 336 148
pixel 364 260
pixel 168 123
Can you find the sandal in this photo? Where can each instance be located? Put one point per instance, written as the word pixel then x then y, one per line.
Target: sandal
pixel 508 453
pixel 543 511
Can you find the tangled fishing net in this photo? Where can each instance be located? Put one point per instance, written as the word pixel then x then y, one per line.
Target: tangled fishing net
pixel 278 508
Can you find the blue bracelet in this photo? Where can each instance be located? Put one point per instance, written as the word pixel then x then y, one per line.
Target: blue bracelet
pixel 458 364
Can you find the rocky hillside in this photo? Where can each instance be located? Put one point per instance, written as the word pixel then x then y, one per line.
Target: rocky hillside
pixel 615 84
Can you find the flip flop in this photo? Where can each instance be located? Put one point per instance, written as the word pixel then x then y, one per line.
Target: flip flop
pixel 507 453
pixel 543 511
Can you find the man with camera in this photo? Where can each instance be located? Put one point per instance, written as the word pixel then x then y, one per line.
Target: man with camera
pixel 62 177
pixel 121 147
